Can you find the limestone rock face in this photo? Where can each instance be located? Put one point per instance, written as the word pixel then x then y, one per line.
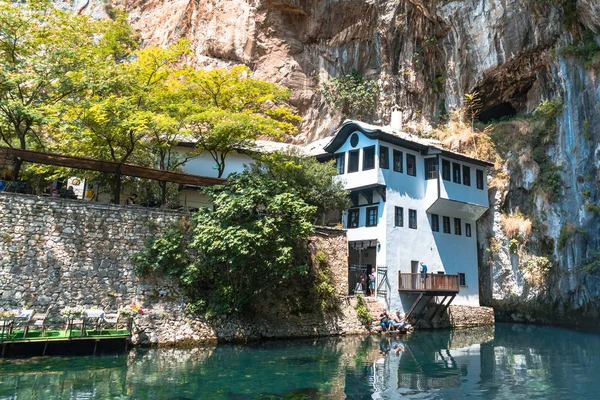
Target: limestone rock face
pixel 426 55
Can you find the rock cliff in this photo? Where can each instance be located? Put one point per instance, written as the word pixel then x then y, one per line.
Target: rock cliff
pixel 426 55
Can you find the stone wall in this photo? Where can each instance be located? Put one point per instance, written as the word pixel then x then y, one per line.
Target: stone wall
pixel 457 316
pixel 66 252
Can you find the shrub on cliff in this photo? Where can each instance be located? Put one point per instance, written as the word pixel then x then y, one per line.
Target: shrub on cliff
pixel 353 95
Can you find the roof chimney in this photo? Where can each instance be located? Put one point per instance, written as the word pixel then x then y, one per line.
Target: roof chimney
pixel 396 121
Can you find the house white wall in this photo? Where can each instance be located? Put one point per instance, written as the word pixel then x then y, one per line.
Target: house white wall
pixel 450 253
pixel 205 165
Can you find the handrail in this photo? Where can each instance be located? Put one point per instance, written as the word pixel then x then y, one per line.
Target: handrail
pixel 433 282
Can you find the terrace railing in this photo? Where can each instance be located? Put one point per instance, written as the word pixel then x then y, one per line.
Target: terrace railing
pixel 433 283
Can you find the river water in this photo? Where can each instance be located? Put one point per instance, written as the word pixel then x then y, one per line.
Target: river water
pixel 505 362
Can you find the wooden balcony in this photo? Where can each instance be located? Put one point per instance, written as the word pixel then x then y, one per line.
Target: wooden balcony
pixel 433 285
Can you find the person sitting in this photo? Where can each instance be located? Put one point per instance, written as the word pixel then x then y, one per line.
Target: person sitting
pixel 70 193
pixel 385 321
pixel 131 200
pixel 399 321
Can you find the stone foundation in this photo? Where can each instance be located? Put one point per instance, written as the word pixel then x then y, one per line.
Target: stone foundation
pixel 457 317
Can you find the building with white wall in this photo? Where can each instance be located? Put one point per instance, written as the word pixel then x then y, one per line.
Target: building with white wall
pixel 412 201
pixel 203 164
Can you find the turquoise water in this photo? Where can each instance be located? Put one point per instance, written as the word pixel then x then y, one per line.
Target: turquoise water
pixel 508 362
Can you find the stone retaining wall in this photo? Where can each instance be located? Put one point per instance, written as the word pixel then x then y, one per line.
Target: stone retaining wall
pixel 67 252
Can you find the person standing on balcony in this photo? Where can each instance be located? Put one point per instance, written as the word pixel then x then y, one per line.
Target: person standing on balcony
pixel 423 272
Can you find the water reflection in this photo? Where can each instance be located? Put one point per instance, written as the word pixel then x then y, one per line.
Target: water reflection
pixel 509 362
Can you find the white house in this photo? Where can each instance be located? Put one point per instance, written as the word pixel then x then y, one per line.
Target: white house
pixel 205 165
pixel 412 201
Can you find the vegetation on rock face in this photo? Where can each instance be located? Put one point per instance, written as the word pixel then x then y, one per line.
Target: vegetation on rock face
pixel 363 312
pixel 324 288
pixel 353 95
pixel 516 225
pixel 248 249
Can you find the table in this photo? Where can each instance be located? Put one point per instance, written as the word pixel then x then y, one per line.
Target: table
pixel 23 316
pixel 93 314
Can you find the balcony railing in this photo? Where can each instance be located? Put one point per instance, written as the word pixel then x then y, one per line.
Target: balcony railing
pixel 433 283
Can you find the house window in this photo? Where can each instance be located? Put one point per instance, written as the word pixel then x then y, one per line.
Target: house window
pixel 354 140
pixel 368 158
pixel 456 172
pixel 457 226
pixel 411 165
pixel 340 162
pixel 371 216
pixel 445 170
pixel 384 157
pixel 435 223
pixel 446 222
pixel 353 161
pixel 466 175
pixel 468 230
pixel 412 219
pixel 353 218
pixel 399 216
pixel 479 179
pixel 462 280
pixel 397 161
pixel 431 168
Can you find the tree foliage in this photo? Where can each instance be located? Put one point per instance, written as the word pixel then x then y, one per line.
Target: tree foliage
pixel 45 54
pixel 229 110
pixel 247 246
pixel 253 243
pixel 353 95
pixel 308 178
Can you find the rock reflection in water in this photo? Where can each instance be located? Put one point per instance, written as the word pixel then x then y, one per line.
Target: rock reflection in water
pixel 509 362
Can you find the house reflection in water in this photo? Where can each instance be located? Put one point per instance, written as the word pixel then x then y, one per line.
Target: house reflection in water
pixel 427 364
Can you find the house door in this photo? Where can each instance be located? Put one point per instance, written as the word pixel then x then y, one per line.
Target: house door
pixel 414 269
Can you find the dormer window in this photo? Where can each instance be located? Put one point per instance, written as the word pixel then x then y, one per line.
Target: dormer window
pixel 431 168
pixel 340 162
pixel 411 165
pixel 384 157
pixel 397 161
pixel 479 179
pixel 445 170
pixel 456 172
pixel 353 161
pixel 368 158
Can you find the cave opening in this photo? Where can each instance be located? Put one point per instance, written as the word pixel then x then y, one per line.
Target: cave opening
pixel 498 112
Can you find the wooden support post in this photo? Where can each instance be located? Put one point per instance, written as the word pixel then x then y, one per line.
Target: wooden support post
pixel 414 305
pixel 117 188
pixel 437 309
pixel 447 305
pixel 3 348
pixel 45 347
pixel 96 345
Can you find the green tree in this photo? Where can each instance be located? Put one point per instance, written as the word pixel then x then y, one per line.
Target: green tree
pixel 45 57
pixel 247 248
pixel 249 244
pixel 229 110
pixel 124 110
pixel 311 180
